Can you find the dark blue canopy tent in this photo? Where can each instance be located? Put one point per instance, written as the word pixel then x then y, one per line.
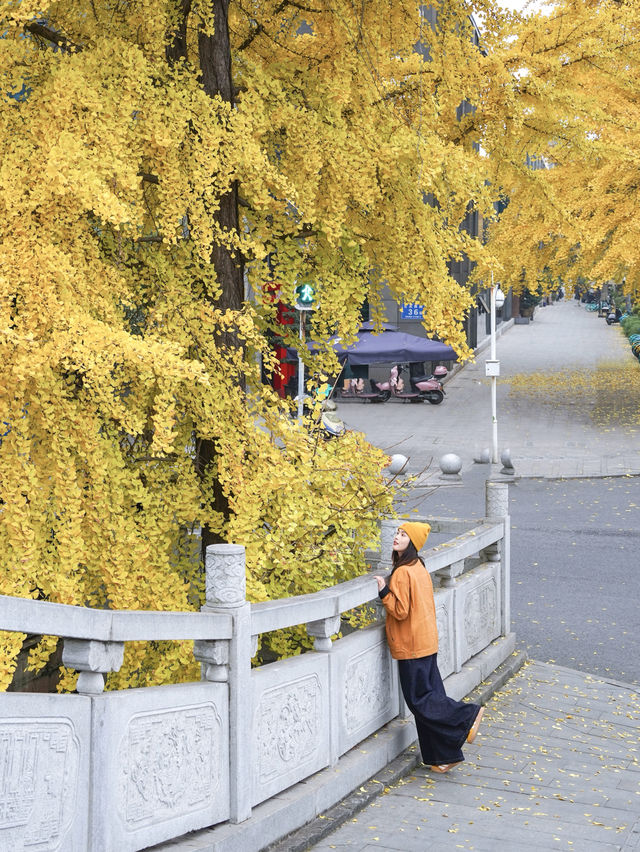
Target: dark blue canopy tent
pixel 391 346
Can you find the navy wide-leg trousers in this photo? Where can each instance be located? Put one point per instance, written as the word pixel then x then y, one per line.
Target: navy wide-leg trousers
pixel 443 723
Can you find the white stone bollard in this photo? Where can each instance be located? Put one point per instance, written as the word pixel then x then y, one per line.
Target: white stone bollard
pixel 507 464
pixel 398 464
pixel 450 465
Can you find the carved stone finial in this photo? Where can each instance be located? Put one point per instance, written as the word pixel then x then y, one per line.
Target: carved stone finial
pixel 496 499
pixel 388 527
pixel 225 575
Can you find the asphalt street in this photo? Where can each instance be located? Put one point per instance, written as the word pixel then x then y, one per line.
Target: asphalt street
pixel 575 574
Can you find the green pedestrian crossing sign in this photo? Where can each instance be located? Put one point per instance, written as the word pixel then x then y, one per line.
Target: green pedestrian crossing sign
pixel 305 297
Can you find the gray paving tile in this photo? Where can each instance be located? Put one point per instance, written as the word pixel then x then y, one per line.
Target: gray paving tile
pixel 529 782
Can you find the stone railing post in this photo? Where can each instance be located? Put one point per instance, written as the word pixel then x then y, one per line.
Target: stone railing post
pixel 497 508
pixel 388 529
pixel 225 592
pixel 381 558
pixel 322 630
pixel 93 659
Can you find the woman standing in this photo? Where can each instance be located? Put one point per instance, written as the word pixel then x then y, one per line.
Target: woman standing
pixel 443 724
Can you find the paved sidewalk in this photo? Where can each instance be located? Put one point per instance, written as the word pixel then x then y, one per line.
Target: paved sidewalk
pixel 556 765
pixel 547 440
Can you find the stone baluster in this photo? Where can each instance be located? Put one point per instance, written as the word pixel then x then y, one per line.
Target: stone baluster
pixel 447 576
pixel 213 655
pixel 497 508
pixel 93 659
pixel 226 592
pixel 322 630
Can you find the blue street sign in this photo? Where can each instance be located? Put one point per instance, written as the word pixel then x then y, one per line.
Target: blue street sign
pixel 411 310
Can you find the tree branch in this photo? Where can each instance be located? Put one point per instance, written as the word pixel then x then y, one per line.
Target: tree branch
pixel 47 34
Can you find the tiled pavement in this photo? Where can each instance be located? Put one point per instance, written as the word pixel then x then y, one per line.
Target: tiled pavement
pixel 554 439
pixel 556 765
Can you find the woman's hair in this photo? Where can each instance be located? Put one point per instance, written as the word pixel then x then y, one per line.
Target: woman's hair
pixel 409 555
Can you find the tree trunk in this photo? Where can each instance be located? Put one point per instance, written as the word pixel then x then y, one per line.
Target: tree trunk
pixel 215 66
pixel 214 54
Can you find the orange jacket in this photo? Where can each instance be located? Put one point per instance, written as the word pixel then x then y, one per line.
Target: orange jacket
pixel 411 612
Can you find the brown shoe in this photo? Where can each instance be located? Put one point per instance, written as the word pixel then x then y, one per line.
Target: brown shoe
pixel 474 728
pixel 444 767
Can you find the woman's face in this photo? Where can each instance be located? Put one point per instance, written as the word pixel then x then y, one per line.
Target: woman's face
pixel 400 541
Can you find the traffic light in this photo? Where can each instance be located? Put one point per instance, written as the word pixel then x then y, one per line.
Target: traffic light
pixel 305 297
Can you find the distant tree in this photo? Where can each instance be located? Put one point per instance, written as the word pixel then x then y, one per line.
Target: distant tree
pixel 571 103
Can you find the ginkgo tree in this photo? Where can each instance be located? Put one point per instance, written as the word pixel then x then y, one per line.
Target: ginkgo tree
pixel 163 167
pixel 572 106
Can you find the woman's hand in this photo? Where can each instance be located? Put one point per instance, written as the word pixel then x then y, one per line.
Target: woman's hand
pixel 381 582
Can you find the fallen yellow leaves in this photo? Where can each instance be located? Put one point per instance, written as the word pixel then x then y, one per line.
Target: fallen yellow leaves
pixel 608 396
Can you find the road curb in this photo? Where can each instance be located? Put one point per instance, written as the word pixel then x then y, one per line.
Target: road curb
pixel 561 476
pixel 316 830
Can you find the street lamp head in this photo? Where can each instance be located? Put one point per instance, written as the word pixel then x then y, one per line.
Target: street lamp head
pixel 499 297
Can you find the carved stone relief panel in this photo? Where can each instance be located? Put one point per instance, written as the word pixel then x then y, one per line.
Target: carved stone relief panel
pixel 481 615
pixel 367 687
pixel 288 726
pixel 169 764
pixel 39 762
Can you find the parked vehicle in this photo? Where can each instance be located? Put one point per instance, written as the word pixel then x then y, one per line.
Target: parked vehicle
pixel 430 387
pixel 356 389
pixel 330 423
pixel 614 316
pixel 395 386
pixel 389 346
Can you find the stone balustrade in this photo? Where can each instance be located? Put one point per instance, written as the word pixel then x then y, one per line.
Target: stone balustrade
pixel 123 770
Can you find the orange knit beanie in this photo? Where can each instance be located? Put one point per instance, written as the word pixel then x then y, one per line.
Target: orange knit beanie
pixel 417 533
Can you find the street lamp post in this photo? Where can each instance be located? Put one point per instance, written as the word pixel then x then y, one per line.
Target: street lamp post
pixel 492 366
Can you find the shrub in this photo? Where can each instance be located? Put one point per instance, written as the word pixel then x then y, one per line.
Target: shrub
pixel 631 324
